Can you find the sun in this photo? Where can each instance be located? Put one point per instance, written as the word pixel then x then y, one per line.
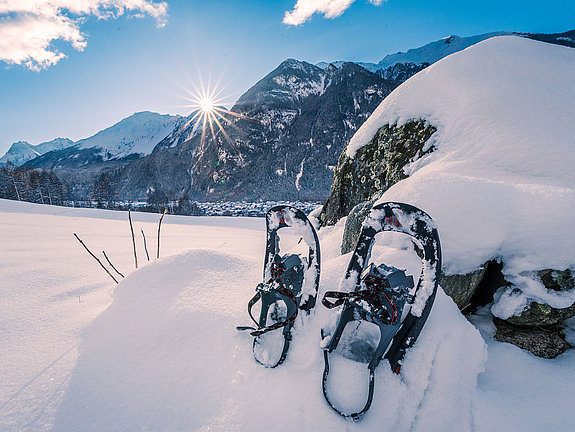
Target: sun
pixel 209 115
pixel 207 105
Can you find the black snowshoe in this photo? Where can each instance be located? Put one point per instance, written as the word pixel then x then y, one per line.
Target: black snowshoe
pixel 291 282
pixel 384 296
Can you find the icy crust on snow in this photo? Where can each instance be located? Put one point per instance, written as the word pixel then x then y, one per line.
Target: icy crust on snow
pixel 166 356
pixel 501 183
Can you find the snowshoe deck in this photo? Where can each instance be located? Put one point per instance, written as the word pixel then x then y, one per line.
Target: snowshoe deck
pixel 383 295
pixel 291 282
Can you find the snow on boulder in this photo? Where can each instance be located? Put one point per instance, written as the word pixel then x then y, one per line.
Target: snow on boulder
pixel 500 182
pixel 166 356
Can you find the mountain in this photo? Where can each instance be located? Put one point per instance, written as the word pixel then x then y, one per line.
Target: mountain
pixel 21 152
pixel 402 65
pixel 281 139
pixel 435 51
pixel 566 38
pixel 113 147
pixel 130 138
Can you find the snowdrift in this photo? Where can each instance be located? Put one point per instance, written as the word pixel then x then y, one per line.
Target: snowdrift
pixel 500 183
pixel 166 356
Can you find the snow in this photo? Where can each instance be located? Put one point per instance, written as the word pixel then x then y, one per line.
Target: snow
pixel 299 175
pixel 435 51
pixel 21 152
pixel 137 134
pixel 160 352
pixel 500 183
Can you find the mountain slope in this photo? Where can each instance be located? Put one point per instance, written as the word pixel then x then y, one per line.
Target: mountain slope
pixel 281 142
pixel 21 152
pixel 132 137
pixel 416 59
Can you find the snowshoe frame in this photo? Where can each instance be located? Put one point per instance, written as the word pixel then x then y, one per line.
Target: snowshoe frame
pixel 273 289
pixel 395 337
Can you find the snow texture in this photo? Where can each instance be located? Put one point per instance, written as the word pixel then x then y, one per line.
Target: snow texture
pixel 160 352
pixel 500 184
pixel 137 134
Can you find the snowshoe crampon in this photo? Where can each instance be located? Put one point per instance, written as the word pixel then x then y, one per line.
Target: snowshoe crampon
pixel 383 306
pixel 291 280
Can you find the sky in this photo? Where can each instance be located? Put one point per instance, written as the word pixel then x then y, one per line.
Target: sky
pixel 71 68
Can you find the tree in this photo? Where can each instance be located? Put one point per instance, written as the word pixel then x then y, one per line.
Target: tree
pixel 103 191
pixel 157 198
pixel 188 207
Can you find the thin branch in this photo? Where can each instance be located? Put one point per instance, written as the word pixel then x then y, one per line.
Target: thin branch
pixel 95 257
pixel 145 245
pixel 159 227
pixel 111 265
pixel 133 239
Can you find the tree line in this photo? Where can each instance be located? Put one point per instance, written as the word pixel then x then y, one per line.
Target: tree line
pixel 33 185
pixel 44 187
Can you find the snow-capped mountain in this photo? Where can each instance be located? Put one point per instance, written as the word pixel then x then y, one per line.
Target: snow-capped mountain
pixel 282 141
pixel 402 65
pixel 435 51
pixel 21 152
pixel 129 139
pixel 428 53
pixel 132 137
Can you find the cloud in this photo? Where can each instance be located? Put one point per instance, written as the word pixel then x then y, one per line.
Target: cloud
pixel 304 9
pixel 28 28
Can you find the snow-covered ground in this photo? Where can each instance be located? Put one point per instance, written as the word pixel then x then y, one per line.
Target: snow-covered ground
pixel 159 351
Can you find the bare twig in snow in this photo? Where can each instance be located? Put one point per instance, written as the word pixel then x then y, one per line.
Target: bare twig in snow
pixel 111 265
pixel 145 245
pixel 159 227
pixel 133 239
pixel 95 257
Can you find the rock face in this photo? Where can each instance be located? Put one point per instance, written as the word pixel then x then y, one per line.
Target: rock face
pixel 461 287
pixel 375 168
pixel 353 226
pixel 546 342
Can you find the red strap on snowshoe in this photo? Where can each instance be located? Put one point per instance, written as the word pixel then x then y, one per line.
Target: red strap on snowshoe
pixel 370 296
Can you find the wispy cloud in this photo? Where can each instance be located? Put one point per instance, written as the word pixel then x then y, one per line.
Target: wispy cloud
pixel 304 9
pixel 28 28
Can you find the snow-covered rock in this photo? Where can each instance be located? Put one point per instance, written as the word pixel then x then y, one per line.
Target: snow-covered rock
pixel 500 182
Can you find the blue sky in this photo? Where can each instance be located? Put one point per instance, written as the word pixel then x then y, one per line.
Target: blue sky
pixel 132 64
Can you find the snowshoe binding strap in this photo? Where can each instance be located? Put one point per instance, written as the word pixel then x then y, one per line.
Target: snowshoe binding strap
pixel 388 300
pixel 270 293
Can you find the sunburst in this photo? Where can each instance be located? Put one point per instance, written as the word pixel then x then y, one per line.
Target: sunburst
pixel 209 113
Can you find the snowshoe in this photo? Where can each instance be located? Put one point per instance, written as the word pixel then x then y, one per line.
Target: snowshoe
pixel 383 296
pixel 290 283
